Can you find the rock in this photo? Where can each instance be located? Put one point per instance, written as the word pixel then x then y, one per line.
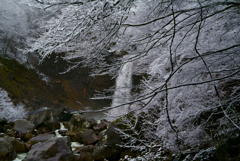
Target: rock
pixel 100 135
pixel 62 132
pixel 100 127
pixel 66 114
pixel 40 138
pixel 56 122
pixel 77 126
pixel 43 129
pixel 7 151
pixel 54 149
pixel 57 125
pixel 65 124
pixel 42 118
pixel 18 146
pixel 22 126
pixel 27 136
pixel 3 122
pixel 89 137
pixel 11 133
pixel 93 122
pixel 86 153
pixel 106 122
pixel 107 147
pixel 28 146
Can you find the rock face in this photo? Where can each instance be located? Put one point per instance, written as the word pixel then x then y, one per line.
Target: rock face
pixel 54 149
pixel 22 126
pixel 77 126
pixel 42 118
pixel 7 151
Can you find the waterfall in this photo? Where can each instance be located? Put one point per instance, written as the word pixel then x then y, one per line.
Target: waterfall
pixel 122 93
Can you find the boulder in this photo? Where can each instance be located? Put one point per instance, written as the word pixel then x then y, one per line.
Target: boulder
pixel 40 138
pixel 42 118
pixel 89 137
pixel 18 146
pixel 66 114
pixel 77 126
pixel 7 151
pixel 27 136
pixel 107 147
pixel 54 149
pixel 86 153
pixel 22 126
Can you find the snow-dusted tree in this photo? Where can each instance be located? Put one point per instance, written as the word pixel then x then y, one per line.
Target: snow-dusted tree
pixel 188 50
pixel 8 111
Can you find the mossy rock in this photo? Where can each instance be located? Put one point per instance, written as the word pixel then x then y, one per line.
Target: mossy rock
pixel 108 147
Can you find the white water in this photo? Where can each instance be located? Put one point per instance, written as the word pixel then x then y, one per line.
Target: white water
pixel 20 156
pixel 74 145
pixel 123 88
pixel 61 128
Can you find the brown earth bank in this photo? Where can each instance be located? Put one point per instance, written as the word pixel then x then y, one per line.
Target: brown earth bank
pixel 24 85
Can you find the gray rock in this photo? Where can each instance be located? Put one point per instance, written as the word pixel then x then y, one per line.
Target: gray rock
pixel 22 126
pixel 54 149
pixel 40 138
pixel 42 118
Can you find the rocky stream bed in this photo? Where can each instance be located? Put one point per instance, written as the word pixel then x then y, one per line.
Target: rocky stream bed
pixel 68 137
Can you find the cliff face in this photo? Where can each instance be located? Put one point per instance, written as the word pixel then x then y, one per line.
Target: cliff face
pixel 24 85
